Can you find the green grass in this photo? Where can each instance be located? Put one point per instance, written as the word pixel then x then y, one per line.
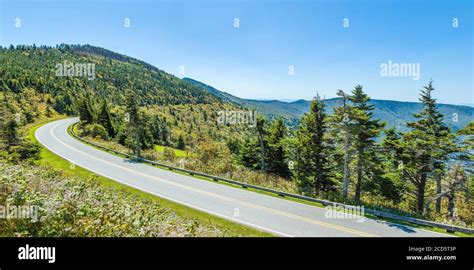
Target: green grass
pixel 177 152
pixel 49 159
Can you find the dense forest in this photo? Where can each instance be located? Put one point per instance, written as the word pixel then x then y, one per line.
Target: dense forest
pixel 347 155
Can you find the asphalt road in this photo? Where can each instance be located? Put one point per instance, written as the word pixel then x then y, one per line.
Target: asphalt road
pixel 278 216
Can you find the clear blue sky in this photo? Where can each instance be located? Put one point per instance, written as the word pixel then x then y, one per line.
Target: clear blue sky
pixel 252 61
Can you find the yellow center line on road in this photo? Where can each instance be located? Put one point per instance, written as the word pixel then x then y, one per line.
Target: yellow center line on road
pixel 270 210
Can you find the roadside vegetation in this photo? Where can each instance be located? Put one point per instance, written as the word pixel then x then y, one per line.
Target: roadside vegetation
pixel 71 201
pixel 347 155
pixel 71 206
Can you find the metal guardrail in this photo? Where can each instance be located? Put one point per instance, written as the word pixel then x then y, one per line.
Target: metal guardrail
pixel 379 213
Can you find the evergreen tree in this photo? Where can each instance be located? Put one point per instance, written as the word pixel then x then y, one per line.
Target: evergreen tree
pixel 366 130
pixel 341 130
pixel 105 120
pixel 466 137
pixel 249 154
pixel 387 180
pixel 155 129
pixel 276 152
pixel 233 144
pixel 164 132
pixel 427 144
pixel 10 133
pixel 134 121
pixel 146 136
pixel 85 111
pixel 315 174
pixel 431 121
pixel 261 132
pixel 180 145
pixel 16 147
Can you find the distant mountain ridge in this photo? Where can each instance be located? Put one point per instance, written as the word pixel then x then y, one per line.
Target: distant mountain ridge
pixel 394 113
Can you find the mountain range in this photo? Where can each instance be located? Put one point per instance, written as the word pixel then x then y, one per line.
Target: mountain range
pixel 394 113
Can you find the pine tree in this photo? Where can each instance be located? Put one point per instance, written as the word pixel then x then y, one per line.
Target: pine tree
pixel 314 171
pixel 10 133
pixel 466 136
pixel 249 153
pixel 180 145
pixel 425 146
pixel 386 180
pixel 276 152
pixel 341 130
pixel 366 130
pixel 134 121
pixel 105 120
pixel 261 132
pixel 155 129
pixel 85 111
pixel 164 132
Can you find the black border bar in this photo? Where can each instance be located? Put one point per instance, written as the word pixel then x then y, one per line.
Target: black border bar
pixel 316 251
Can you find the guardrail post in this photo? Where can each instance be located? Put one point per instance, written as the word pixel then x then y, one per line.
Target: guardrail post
pixel 376 213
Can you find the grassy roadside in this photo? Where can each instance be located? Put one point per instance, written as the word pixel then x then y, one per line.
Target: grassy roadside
pixel 49 159
pixel 179 153
pixel 389 220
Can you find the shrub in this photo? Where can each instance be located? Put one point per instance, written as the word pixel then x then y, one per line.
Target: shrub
pixel 95 131
pixel 169 154
pixel 72 207
pixel 26 150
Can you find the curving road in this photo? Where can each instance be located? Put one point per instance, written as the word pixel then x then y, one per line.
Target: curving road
pixel 275 215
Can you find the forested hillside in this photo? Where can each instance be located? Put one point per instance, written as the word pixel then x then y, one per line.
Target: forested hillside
pixel 71 202
pixel 30 67
pixel 30 87
pixel 339 149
